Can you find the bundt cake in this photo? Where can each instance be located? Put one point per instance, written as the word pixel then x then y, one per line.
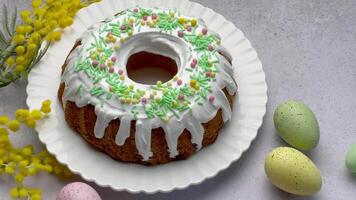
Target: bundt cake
pixel 112 97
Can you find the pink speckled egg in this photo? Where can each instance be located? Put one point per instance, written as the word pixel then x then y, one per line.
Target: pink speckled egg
pixel 78 191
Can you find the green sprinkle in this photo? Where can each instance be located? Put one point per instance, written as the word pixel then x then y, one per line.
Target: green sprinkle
pixel 108 96
pixel 80 90
pixel 97 91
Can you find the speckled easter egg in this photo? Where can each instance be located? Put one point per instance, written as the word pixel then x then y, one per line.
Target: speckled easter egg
pixel 78 191
pixel 297 125
pixel 291 171
pixel 351 159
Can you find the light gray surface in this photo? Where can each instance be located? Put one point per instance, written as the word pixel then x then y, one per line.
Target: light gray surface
pixel 307 48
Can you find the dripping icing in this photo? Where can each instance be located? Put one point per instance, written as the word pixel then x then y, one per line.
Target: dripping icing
pixel 108 110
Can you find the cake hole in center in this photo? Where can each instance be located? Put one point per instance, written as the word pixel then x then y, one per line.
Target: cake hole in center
pixel 148 68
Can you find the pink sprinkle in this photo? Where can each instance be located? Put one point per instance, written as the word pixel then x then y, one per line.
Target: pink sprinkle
pixel 144 100
pixel 120 71
pixel 154 16
pixel 102 66
pixel 193 64
pixel 211 99
pixel 113 59
pixel 189 29
pixel 210 47
pixel 135 10
pixel 144 18
pixel 181 97
pixel 180 33
pixel 95 63
pixel 195 60
pixel 208 73
pixel 111 70
pixel 204 31
pixel 179 82
pixel 123 27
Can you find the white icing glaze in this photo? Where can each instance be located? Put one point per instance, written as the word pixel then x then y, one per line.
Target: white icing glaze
pixel 150 40
pixel 124 130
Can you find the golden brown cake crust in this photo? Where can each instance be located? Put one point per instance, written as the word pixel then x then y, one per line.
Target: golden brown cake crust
pixel 82 120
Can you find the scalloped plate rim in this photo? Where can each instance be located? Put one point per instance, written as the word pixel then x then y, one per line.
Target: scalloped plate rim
pixel 183 186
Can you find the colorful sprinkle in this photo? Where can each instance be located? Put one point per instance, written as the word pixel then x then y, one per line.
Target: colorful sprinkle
pixel 180 33
pixel 95 63
pixel 212 75
pixel 130 33
pixel 193 83
pixel 179 82
pixel 165 119
pixel 131 21
pixel 211 99
pixel 144 100
pixel 181 20
pixel 210 47
pixel 193 22
pixel 193 64
pixel 181 97
pixel 120 71
pixel 111 70
pixel 117 47
pixel 109 63
pixel 204 31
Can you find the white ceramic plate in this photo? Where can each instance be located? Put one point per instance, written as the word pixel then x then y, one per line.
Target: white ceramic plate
pixel 234 139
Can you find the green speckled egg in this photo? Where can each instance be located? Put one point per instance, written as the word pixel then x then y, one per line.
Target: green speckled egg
pixel 297 125
pixel 351 159
pixel 291 171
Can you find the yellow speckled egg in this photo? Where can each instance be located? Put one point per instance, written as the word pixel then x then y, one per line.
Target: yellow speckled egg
pixel 291 171
pixel 297 125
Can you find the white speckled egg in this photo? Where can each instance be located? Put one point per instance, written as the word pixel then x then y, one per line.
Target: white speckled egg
pixel 351 159
pixel 78 191
pixel 291 171
pixel 297 125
